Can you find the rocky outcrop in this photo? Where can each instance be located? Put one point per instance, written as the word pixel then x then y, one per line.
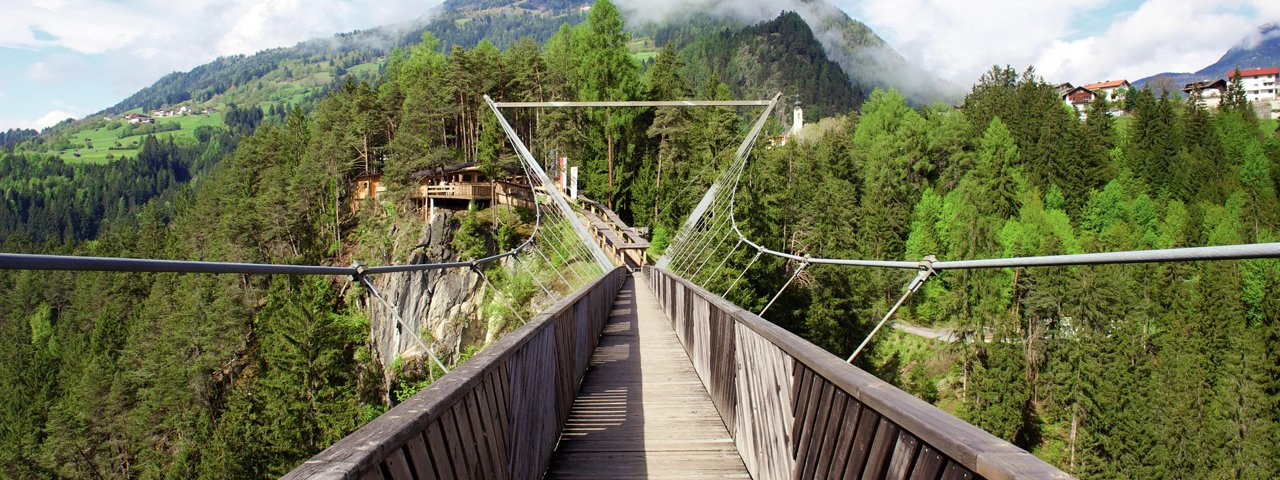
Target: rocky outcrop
pixel 442 306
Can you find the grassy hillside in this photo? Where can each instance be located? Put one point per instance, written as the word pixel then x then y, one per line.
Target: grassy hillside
pixel 102 141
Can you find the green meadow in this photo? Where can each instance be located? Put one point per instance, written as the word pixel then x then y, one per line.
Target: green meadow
pixel 107 140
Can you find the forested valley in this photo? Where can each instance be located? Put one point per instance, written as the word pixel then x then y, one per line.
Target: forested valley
pixel 1125 371
pixel 175 375
pixel 1147 371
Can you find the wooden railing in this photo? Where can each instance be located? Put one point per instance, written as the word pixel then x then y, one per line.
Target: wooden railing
pixel 796 411
pixel 497 416
pixel 614 236
pixel 468 191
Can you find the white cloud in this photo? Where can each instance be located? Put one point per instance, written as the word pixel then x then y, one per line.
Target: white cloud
pixel 1160 36
pixel 46 120
pixel 56 68
pixel 962 40
pixel 147 38
pixel 53 117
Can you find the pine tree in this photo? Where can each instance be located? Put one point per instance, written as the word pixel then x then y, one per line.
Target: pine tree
pixel 669 123
pixel 606 72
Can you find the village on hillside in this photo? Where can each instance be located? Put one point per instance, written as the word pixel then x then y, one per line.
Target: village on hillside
pixel 1259 86
pixel 179 111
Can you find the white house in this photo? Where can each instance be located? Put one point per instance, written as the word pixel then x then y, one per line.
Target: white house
pixel 1112 90
pixel 1211 91
pixel 1258 83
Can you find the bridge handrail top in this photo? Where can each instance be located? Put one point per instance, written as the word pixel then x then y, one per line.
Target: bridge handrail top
pixel 979 450
pixel 30 261
pixel 369 444
pixel 1184 254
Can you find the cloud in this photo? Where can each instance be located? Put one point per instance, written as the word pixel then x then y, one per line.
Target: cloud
pixel 44 121
pixel 53 117
pixel 961 40
pixel 101 51
pixel 146 38
pixel 1160 36
pixel 56 68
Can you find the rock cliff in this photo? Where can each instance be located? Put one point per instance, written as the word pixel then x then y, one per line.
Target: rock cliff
pixel 439 305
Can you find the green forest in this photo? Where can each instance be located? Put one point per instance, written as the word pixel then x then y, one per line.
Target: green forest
pixel 1124 371
pixel 1146 371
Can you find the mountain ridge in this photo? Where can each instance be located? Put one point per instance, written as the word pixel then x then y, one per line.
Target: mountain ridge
pixel 1257 50
pixel 865 58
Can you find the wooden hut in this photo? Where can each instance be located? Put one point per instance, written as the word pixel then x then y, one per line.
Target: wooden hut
pixel 461 184
pixel 366 186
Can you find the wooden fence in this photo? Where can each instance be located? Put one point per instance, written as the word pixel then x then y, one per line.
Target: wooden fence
pixel 498 416
pixel 796 411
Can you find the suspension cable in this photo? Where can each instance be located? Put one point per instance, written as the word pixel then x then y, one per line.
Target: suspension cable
pixel 783 289
pixel 740 275
pixel 499 292
pixel 706 255
pixel 926 272
pixel 538 249
pixel 534 275
pixel 401 323
pixel 722 262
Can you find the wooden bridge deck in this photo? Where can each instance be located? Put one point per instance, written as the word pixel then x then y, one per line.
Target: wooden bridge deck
pixel 641 411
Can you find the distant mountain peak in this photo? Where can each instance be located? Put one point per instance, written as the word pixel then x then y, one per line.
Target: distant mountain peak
pixel 1258 49
pixel 1265 33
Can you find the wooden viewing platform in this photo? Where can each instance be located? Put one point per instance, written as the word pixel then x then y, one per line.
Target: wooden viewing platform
pixel 641 411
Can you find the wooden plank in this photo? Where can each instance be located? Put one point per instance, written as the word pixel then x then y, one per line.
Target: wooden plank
pixel 723 387
pixel 441 461
pixel 533 406
pixel 904 456
pixel 928 464
pixel 831 437
pixel 815 428
pixel 847 431
pixel 956 471
pixel 467 457
pixel 642 411
pixel 372 474
pixel 867 425
pixel 763 416
pixel 799 400
pixel 881 449
pixel 420 459
pixel 397 466
pixel 489 441
pixel 498 408
pixel 803 377
pixel 502 401
pixel 805 421
pixel 449 425
pixel 473 434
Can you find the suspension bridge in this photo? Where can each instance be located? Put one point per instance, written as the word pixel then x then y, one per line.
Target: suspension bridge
pixel 632 370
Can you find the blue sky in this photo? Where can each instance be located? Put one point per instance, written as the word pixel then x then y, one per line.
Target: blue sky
pixel 70 58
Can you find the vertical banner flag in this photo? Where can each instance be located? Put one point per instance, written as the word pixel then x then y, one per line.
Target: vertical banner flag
pixel 562 171
pixel 573 183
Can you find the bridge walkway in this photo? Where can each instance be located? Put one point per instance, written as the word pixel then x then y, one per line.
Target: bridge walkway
pixel 641 411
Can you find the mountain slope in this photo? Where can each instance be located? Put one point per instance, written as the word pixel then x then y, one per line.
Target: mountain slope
pixel 1255 51
pixel 780 55
pixel 297 75
pixel 868 60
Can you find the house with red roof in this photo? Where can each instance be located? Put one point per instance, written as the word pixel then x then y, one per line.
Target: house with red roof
pixel 1259 83
pixel 1112 90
